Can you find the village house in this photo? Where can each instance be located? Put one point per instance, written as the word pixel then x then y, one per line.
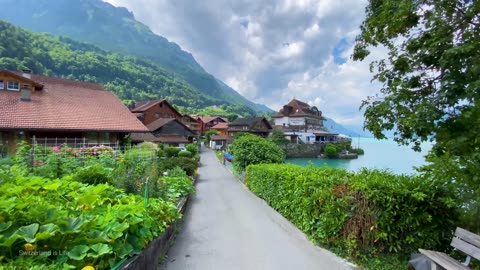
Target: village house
pixel 221 128
pixel 303 123
pixel 255 125
pixel 165 124
pixel 169 131
pixel 210 121
pixel 149 111
pixel 56 111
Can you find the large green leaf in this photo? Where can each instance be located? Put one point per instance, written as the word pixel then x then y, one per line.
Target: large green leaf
pixel 53 186
pixel 122 249
pixel 99 250
pixel 88 199
pixel 72 225
pixel 28 232
pixel 46 231
pixel 5 225
pixel 78 252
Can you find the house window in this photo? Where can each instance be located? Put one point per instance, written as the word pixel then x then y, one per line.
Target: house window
pixel 245 128
pixel 157 115
pixel 1 85
pixel 13 86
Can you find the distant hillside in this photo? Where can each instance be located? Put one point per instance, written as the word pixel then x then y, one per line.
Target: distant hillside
pixel 115 29
pixel 335 127
pixel 128 77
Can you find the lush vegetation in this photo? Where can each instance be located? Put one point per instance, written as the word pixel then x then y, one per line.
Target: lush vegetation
pixel 363 216
pixel 131 79
pixel 251 149
pixel 430 90
pixel 67 208
pixel 278 137
pixel 115 29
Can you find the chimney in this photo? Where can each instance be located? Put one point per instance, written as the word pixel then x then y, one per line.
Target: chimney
pixel 27 73
pixel 26 93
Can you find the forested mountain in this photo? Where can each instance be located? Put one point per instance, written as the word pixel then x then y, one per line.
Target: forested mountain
pixel 115 29
pixel 129 77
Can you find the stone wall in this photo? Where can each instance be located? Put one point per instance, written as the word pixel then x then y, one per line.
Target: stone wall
pixel 303 150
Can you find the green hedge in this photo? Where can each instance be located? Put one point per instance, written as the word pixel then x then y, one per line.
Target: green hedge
pixel 361 214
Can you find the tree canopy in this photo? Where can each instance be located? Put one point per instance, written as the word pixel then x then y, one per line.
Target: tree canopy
pixel 431 81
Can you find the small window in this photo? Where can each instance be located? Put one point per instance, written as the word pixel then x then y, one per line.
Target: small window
pixel 157 115
pixel 13 86
pixel 1 85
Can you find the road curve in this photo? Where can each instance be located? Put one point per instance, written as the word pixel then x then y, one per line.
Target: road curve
pixel 227 227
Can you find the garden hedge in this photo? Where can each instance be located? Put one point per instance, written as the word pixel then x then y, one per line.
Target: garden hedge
pixel 367 213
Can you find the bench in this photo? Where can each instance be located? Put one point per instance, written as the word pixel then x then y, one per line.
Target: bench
pixel 465 241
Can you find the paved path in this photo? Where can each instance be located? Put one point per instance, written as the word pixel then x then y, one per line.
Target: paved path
pixel 227 227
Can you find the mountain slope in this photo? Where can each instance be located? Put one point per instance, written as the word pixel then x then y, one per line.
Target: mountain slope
pixel 115 29
pixel 130 78
pixel 333 126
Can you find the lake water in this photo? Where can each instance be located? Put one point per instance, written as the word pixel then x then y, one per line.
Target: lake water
pixel 381 154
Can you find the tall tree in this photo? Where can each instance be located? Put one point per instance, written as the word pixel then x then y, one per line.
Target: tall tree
pixel 431 83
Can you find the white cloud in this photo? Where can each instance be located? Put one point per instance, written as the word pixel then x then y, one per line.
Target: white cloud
pixel 271 51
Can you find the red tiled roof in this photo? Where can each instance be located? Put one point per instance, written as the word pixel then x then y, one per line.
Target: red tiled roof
pixel 220 126
pixel 142 106
pixel 66 105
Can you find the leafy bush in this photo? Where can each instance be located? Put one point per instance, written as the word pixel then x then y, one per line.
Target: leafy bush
pixel 93 175
pixel 134 168
pixel 187 164
pixel 176 187
pixel 193 148
pixel 176 172
pixel 250 149
pixel 330 150
pixel 6 163
pixel 368 213
pixel 80 224
pixel 172 151
pixel 359 151
pixel 186 154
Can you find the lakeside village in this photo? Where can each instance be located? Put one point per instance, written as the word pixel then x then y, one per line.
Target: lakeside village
pixel 52 111
pixel 89 183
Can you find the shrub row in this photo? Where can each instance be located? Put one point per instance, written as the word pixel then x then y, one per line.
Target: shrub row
pixel 361 214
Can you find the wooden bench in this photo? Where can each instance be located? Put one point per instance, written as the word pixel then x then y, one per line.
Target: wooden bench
pixel 465 241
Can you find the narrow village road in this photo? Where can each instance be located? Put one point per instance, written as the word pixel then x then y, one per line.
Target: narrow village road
pixel 227 227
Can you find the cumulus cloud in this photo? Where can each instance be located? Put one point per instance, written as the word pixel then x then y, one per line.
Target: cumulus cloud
pixel 271 51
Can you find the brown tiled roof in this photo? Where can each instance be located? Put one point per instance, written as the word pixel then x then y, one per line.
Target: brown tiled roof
pixel 220 126
pixel 66 105
pixel 145 105
pixel 249 121
pixel 149 137
pixel 299 108
pixel 207 119
pixel 160 122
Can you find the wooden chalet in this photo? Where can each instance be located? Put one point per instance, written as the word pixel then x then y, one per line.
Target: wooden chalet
pixel 221 128
pixel 255 125
pixel 59 111
pixel 168 131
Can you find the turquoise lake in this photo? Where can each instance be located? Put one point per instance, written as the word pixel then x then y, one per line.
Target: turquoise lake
pixel 381 154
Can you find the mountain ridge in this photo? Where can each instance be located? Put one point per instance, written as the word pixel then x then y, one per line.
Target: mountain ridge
pixel 115 29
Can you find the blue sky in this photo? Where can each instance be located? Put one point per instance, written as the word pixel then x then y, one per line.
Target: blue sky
pixel 272 50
